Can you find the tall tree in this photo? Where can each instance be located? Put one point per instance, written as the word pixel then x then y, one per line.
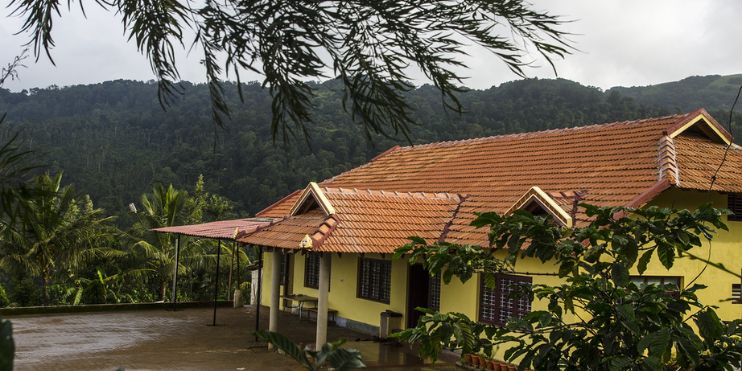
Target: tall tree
pixel 370 46
pixel 13 157
pixel 162 208
pixel 53 233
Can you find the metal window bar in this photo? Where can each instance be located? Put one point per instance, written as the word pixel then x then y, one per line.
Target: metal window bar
pixel 510 298
pixel 434 292
pixel 375 279
pixel 734 204
pixel 311 270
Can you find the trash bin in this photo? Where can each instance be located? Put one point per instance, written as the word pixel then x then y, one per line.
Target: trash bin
pixel 237 301
pixel 389 323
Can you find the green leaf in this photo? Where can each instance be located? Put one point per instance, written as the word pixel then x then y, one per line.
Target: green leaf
pixel 644 261
pixel 666 255
pixel 285 345
pixel 619 274
pixel 621 363
pixel 657 342
pixel 709 325
pixel 345 359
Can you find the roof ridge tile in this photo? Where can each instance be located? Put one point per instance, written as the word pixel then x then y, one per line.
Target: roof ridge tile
pixel 667 161
pixel 547 131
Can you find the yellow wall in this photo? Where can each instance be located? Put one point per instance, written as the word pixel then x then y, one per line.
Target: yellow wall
pixel 726 248
pixel 343 286
pixel 463 297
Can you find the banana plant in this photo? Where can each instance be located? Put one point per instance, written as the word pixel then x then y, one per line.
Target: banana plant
pixel 331 354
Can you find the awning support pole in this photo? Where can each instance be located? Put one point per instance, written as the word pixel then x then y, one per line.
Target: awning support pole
pixel 216 282
pixel 175 272
pixel 238 249
pixel 275 289
pixel 258 297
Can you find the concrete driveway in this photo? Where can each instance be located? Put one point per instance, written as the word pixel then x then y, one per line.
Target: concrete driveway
pixel 181 340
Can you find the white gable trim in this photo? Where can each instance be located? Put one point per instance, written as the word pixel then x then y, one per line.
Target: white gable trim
pixel 546 202
pixel 708 127
pixel 315 191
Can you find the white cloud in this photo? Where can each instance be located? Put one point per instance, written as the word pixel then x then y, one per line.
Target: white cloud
pixel 627 42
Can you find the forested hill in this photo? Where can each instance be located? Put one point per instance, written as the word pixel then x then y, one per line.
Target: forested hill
pixel 711 92
pixel 113 140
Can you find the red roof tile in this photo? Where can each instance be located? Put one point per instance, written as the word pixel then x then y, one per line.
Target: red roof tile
pixel 364 221
pixel 621 163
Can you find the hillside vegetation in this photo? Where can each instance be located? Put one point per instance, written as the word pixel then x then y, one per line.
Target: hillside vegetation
pixel 114 141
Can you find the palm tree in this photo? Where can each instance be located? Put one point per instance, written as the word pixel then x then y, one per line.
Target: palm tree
pixel 53 232
pixel 162 208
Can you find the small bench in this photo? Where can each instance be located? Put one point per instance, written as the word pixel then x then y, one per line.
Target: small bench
pixel 331 314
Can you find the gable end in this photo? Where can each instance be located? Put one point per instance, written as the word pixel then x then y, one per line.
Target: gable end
pixel 704 124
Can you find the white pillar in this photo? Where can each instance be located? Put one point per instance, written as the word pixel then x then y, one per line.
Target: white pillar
pixel 275 289
pixel 254 286
pixel 322 302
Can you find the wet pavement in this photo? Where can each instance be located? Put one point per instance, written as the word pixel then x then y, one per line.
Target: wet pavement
pixel 181 340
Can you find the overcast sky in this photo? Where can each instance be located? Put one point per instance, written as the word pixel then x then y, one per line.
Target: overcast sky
pixel 626 42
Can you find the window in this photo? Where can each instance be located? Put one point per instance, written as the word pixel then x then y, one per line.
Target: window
pixel 657 280
pixel 734 203
pixel 311 270
pixel 510 298
pixel 737 293
pixel 374 279
pixel 434 292
pixel 285 264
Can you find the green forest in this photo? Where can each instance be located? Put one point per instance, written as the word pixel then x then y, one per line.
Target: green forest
pixel 99 148
pixel 114 141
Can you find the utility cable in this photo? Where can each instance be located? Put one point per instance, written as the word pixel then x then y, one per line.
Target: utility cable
pixel 713 180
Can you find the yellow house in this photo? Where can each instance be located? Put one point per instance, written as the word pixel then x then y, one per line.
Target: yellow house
pixel 330 244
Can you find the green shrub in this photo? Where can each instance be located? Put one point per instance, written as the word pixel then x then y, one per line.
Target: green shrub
pixel 4 300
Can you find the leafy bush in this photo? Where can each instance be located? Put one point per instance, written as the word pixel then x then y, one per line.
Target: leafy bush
pixel 4 300
pixel 617 324
pixel 331 354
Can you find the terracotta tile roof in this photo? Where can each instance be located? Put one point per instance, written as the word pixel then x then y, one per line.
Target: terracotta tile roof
pixel 223 229
pixel 288 233
pixel 611 164
pixel 698 159
pixel 281 207
pixel 364 221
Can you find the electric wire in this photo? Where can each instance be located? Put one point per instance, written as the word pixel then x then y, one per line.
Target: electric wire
pixel 713 181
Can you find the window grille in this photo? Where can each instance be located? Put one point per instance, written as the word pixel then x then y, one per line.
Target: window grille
pixel 737 293
pixel 311 270
pixel 510 298
pixel 657 280
pixel 374 279
pixel 434 292
pixel 734 203
pixel 285 264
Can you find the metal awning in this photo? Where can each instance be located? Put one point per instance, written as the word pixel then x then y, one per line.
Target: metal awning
pixel 222 229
